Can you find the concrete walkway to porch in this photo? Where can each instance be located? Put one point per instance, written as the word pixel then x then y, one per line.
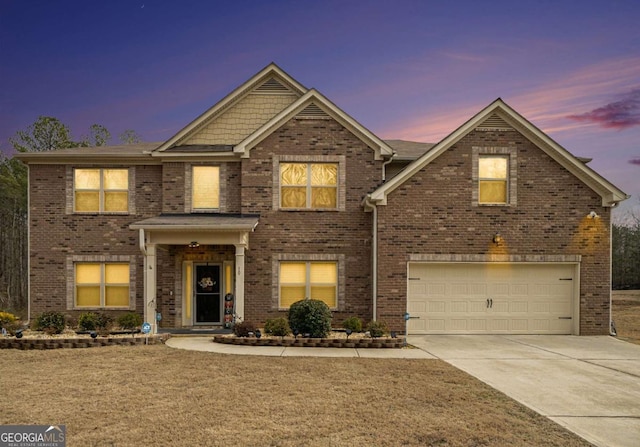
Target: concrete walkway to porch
pixel 206 344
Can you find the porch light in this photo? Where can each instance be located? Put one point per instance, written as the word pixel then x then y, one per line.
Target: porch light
pixel 194 244
pixel 593 215
pixel 497 239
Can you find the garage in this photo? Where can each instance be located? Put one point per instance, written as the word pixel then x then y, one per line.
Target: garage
pixel 491 298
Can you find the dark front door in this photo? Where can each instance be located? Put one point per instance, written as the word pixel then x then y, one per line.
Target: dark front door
pixel 207 289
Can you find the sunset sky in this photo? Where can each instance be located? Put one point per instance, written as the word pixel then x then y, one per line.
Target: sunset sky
pixel 412 70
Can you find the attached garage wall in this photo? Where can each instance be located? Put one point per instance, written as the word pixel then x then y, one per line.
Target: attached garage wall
pixel 492 298
pixel 432 217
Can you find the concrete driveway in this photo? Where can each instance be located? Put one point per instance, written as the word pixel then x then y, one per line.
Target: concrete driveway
pixel 590 385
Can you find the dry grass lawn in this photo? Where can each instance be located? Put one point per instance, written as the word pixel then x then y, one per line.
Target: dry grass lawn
pixel 626 314
pixel 155 395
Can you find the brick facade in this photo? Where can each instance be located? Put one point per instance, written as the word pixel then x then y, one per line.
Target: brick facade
pixel 345 233
pixel 434 213
pixel 57 239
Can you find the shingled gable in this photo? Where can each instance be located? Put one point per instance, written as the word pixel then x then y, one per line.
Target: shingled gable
pixel 314 104
pixel 500 112
pixel 269 78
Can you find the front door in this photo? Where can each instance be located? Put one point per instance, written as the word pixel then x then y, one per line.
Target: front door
pixel 208 305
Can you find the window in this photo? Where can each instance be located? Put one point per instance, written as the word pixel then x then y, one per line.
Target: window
pixel 101 190
pixel 102 285
pixel 493 179
pixel 308 185
pixel 314 280
pixel 205 191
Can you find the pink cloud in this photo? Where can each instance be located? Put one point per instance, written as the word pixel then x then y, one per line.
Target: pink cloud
pixel 635 161
pixel 615 115
pixel 548 104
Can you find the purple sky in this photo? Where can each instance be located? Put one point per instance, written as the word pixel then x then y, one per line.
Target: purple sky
pixel 404 69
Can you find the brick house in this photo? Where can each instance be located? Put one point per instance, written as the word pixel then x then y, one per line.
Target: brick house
pixel 275 194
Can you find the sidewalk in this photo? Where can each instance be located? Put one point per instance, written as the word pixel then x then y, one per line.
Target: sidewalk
pixel 206 344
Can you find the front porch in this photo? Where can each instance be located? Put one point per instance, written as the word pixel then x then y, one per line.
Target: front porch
pixel 194 269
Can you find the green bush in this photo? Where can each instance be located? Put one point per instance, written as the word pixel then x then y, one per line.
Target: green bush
pixel 377 328
pixel 243 328
pixel 50 322
pixel 277 326
pixel 310 317
pixel 94 321
pixel 353 323
pixel 130 321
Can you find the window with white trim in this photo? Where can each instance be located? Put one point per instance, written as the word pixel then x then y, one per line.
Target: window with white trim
pixel 205 188
pixel 101 190
pixel 316 280
pixel 102 285
pixel 493 179
pixel 308 185
pixel 494 174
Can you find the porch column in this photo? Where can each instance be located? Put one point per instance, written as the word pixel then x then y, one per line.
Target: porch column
pixel 150 303
pixel 240 281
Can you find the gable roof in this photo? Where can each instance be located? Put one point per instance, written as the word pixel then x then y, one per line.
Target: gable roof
pixel 314 104
pixel 495 116
pixel 270 79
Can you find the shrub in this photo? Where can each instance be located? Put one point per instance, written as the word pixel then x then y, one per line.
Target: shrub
pixel 377 328
pixel 51 322
pixel 353 323
pixel 94 321
pixel 130 321
pixel 243 328
pixel 6 319
pixel 9 322
pixel 277 326
pixel 310 317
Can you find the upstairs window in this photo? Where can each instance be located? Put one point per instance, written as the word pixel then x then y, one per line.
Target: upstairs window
pixel 205 191
pixel 102 285
pixel 101 190
pixel 308 185
pixel 493 180
pixel 314 280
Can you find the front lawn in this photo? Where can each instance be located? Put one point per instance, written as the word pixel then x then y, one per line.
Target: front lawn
pixel 155 395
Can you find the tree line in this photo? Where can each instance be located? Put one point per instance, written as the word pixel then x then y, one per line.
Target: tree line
pixel 45 134
pixel 625 252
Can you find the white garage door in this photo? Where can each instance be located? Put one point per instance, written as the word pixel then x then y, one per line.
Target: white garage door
pixel 490 298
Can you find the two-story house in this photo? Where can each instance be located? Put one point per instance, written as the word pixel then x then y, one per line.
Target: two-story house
pixel 275 195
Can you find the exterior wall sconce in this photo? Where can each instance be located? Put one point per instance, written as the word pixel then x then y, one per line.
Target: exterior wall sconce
pixel 497 239
pixel 194 244
pixel 593 215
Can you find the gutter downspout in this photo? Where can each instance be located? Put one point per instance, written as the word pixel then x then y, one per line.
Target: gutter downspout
pixel 612 330
pixel 374 254
pixel 384 166
pixel 28 242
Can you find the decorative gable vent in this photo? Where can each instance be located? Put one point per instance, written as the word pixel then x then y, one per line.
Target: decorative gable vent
pixel 495 122
pixel 272 86
pixel 312 111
